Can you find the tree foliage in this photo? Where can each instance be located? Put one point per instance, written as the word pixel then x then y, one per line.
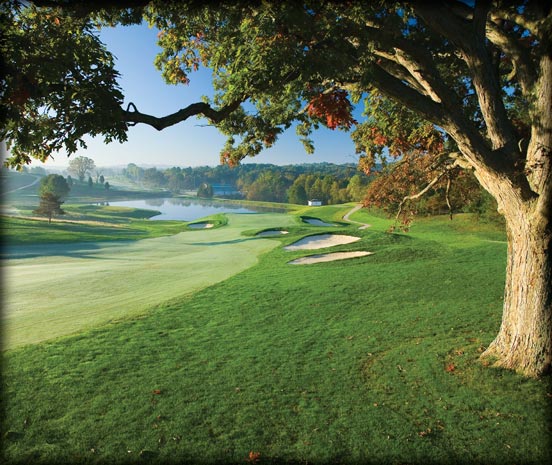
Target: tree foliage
pixel 53 189
pixel 54 184
pixel 266 182
pixel 49 206
pixel 410 187
pixel 80 166
pixel 59 83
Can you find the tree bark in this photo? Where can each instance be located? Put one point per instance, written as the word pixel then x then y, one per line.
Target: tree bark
pixel 524 342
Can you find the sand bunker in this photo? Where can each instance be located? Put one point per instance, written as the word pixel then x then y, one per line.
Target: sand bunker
pixel 316 222
pixel 272 232
pixel 321 241
pixel 200 225
pixel 329 257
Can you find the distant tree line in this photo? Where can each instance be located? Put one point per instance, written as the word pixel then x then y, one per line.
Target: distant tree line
pixel 328 182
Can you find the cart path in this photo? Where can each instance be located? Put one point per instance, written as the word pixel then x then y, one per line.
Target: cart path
pixel 37 178
pixel 354 210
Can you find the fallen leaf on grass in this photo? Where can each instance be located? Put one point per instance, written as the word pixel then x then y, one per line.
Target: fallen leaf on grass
pixel 450 367
pixel 254 457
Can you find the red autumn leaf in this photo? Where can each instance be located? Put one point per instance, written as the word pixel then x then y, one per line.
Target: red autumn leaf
pixel 333 107
pixel 450 367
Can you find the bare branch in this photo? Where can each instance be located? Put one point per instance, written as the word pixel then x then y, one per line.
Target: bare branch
pixel 521 20
pixel 418 64
pixel 521 60
pixel 397 90
pixel 470 39
pixel 389 63
pixel 447 197
pixel 199 108
pixel 460 161
pixel 420 73
pixel 419 194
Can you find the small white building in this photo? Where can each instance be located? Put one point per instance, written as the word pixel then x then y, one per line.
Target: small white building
pixel 315 203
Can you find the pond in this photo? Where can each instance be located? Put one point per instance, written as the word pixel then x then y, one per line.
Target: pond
pixel 191 209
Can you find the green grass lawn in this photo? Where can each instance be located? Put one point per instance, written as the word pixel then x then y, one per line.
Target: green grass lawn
pixel 87 223
pixel 369 360
pixel 49 283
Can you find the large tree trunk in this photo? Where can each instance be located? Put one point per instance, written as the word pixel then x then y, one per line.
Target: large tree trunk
pixel 524 342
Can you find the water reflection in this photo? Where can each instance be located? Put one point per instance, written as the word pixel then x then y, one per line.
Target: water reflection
pixel 173 208
pixel 154 202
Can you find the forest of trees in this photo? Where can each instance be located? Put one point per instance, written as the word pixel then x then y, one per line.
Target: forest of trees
pixel 328 182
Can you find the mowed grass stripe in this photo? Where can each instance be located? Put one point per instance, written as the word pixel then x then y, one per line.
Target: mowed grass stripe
pixel 78 286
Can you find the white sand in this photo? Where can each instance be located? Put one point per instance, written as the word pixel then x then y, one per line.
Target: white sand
pixel 321 241
pixel 200 225
pixel 272 232
pixel 329 257
pixel 316 222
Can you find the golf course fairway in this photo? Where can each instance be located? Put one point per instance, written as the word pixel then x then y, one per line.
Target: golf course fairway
pixel 59 289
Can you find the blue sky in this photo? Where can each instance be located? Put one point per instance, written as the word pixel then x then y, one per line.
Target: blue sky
pixel 189 143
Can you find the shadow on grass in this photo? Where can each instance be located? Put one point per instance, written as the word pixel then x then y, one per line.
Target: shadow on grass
pixel 233 241
pixel 75 250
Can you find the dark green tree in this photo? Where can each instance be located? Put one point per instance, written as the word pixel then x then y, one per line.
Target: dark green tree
pixel 54 184
pixel 52 192
pixel 268 187
pixel 50 205
pixel 176 182
pixel 297 194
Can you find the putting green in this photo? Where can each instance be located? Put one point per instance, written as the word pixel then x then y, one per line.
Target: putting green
pixel 54 290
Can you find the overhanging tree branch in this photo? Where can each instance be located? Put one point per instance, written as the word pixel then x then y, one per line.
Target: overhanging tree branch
pixel 397 90
pixel 419 194
pixel 388 63
pixel 469 37
pixel 531 24
pixel 198 108
pixel 416 63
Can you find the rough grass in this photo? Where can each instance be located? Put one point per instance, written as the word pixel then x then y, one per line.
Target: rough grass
pixel 370 360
